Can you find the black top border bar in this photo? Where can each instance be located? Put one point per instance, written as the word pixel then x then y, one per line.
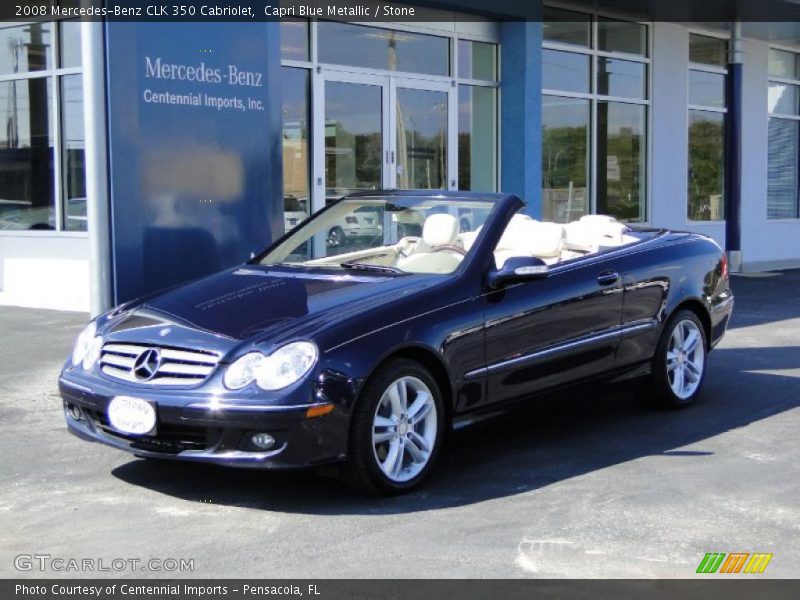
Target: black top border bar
pixel 377 11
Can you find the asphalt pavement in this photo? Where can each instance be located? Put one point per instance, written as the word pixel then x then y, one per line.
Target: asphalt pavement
pixel 586 484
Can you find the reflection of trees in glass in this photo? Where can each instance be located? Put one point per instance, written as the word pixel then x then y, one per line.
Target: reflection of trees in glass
pixel 619 182
pixel 706 166
pixel 353 161
pixel 564 172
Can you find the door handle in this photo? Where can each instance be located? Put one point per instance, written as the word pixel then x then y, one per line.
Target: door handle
pixel 607 277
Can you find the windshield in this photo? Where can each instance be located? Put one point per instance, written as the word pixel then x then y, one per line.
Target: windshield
pixel 391 234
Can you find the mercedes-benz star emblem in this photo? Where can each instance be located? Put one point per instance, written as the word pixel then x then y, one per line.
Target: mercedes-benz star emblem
pixel 146 365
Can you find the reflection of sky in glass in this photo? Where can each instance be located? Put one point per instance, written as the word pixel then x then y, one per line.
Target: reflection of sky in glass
pixel 424 112
pixel 371 47
pixel 621 78
pixel 565 112
pixel 17 55
pixel 782 99
pixel 706 89
pixel 72 111
pixel 567 71
pixel 355 107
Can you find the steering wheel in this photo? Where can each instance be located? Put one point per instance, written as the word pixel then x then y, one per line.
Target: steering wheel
pixel 449 248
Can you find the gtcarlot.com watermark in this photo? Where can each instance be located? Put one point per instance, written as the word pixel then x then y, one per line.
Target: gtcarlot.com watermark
pixel 46 563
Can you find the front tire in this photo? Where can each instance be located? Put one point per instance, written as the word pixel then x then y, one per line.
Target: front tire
pixel 679 364
pixel 396 431
pixel 336 237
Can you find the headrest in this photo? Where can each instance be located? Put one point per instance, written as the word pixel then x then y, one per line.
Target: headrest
pixel 515 232
pixel 545 240
pixel 440 229
pixel 597 219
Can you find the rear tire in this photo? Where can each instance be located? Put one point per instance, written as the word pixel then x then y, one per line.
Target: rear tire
pixel 679 363
pixel 396 431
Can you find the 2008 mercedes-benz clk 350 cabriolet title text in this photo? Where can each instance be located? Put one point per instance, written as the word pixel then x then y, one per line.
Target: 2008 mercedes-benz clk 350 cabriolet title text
pixel 365 345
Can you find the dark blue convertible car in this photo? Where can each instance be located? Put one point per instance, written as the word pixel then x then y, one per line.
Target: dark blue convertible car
pixel 366 352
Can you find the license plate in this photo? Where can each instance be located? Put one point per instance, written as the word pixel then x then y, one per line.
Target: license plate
pixel 132 415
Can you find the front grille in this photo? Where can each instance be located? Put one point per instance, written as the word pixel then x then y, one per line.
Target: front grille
pixel 177 366
pixel 169 438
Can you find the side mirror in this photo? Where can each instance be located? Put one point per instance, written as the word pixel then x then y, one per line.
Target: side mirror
pixel 517 269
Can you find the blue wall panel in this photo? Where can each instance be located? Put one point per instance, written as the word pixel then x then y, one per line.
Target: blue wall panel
pixel 194 148
pixel 521 112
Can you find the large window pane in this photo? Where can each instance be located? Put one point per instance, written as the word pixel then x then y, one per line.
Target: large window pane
pixel 374 48
pixel 26 48
pixel 784 64
pixel 708 50
pixel 477 60
pixel 783 153
pixel 421 139
pixel 565 158
pixel 783 99
pixel 621 36
pixel 565 71
pixel 621 160
pixel 70 43
pixel 294 40
pixel 706 165
pixel 566 27
pixel 477 138
pixel 26 155
pixel 353 138
pixel 706 89
pixel 295 109
pixel 73 170
pixel 623 78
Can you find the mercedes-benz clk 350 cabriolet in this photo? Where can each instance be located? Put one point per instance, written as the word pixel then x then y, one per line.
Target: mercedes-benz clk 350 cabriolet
pixel 367 352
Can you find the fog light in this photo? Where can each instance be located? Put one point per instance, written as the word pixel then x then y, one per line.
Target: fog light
pixel 74 412
pixel 262 440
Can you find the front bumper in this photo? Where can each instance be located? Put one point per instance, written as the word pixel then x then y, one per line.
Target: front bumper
pixel 192 428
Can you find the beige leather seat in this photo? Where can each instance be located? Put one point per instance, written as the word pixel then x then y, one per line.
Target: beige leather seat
pixel 529 237
pixel 593 233
pixel 439 230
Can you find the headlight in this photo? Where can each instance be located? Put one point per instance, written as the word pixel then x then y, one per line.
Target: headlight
pixel 280 369
pixel 243 371
pixel 93 353
pixel 84 342
pixel 88 347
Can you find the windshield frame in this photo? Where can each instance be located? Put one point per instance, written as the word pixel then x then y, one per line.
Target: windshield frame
pixel 387 196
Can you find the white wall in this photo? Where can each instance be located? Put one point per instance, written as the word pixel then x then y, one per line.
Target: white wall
pixel 765 243
pixel 670 133
pixel 44 271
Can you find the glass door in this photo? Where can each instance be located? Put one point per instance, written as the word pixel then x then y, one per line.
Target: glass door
pixel 422 149
pixel 381 132
pixel 352 136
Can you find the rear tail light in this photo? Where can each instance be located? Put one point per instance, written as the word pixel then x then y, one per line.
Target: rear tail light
pixel 351 220
pixel 724 265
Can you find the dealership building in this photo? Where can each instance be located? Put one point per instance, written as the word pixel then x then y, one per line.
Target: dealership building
pixel 137 155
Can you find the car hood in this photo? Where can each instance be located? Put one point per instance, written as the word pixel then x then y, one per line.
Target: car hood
pixel 258 302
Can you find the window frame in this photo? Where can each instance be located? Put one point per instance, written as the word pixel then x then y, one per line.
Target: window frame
pixel 770 115
pixel 55 75
pixel 594 97
pixel 723 110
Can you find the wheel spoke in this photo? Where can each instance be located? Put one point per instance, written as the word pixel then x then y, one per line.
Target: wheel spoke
pixel 690 343
pixel 384 421
pixel 420 408
pixel 391 457
pixel 418 454
pixel 397 397
pixel 692 371
pixel 397 464
pixel 678 381
pixel 379 437
pixel 419 441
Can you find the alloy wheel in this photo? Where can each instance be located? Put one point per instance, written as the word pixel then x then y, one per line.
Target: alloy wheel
pixel 404 429
pixel 685 359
